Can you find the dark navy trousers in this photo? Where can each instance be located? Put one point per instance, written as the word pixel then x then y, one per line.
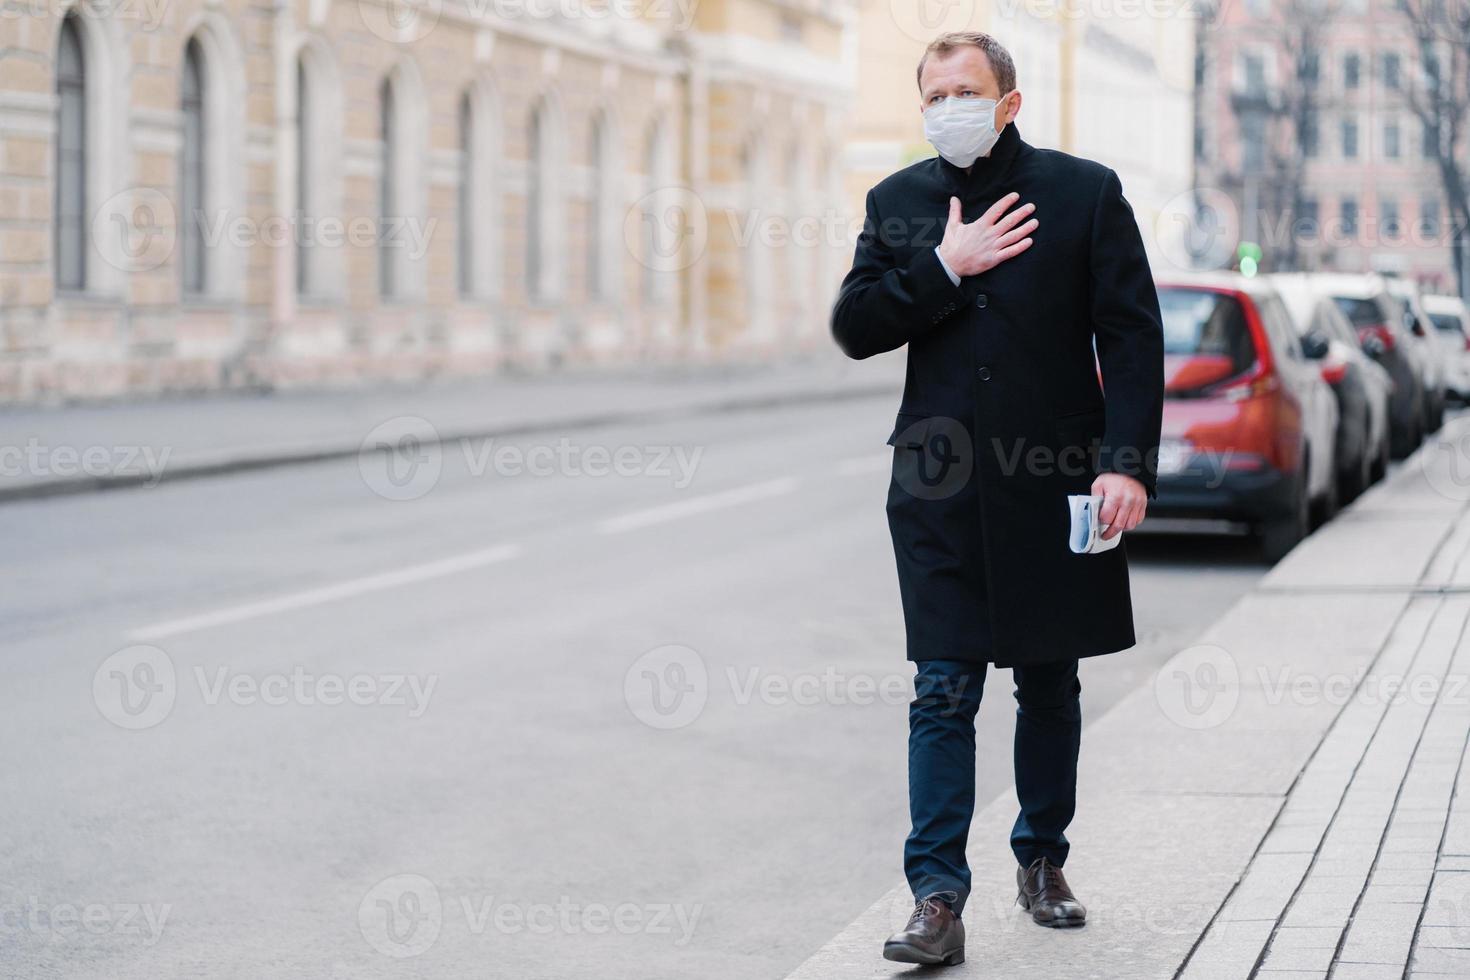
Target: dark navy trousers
pixel 942 769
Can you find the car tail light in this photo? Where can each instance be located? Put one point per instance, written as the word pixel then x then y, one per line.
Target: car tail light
pixel 1334 370
pixel 1467 341
pixel 1264 426
pixel 1378 330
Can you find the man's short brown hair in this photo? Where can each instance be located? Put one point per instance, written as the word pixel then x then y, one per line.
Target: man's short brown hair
pixel 995 53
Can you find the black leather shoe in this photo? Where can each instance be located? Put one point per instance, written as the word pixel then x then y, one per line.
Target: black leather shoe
pixel 1045 894
pixel 934 936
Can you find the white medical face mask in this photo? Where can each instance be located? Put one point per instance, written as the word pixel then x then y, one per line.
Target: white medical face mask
pixel 962 130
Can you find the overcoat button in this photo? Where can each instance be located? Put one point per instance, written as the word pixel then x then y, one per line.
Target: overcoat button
pixel 982 301
pixel 984 374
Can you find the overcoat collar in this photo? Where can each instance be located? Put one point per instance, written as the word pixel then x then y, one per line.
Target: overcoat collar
pixel 988 174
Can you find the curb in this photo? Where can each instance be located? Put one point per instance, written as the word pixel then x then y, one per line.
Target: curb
pixel 204 465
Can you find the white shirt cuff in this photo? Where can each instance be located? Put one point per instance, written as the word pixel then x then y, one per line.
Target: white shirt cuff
pixel 947 270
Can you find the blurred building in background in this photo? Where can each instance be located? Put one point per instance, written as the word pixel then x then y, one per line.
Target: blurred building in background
pixel 1110 81
pixel 1316 125
pixel 205 194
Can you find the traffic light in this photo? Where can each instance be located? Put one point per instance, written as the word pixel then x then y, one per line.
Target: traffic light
pixel 1248 256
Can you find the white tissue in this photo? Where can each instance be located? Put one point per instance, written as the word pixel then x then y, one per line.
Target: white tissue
pixel 1086 534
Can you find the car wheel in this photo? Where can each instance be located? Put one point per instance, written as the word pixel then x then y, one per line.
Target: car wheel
pixel 1280 534
pixel 1324 507
pixel 1380 464
pixel 1403 438
pixel 1356 478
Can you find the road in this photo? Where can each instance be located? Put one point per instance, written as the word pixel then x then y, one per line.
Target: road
pixel 537 721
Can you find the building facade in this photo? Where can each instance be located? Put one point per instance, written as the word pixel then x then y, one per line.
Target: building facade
pixel 209 194
pixel 1306 130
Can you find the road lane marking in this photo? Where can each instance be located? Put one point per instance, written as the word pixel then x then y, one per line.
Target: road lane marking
pixel 328 593
pixel 698 505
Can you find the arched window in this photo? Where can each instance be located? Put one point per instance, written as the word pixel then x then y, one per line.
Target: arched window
pixel 387 183
pixel 192 173
pixel 71 159
pixel 543 204
pixel 535 203
pixel 478 223
pixel 799 244
pixel 597 166
pixel 465 244
pixel 753 195
pixel 306 279
pixel 319 167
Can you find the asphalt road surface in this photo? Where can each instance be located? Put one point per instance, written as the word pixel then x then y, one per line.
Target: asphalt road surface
pixel 622 702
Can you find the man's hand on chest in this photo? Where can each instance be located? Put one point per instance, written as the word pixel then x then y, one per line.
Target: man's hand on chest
pixel 997 235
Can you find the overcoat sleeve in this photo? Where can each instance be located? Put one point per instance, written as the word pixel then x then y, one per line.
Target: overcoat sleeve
pixel 882 305
pixel 1130 340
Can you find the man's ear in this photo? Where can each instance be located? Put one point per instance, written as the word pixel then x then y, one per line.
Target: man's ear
pixel 1013 108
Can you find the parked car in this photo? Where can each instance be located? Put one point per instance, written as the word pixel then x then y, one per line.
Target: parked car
pixel 1362 387
pixel 1378 319
pixel 1411 308
pixel 1249 424
pixel 1451 319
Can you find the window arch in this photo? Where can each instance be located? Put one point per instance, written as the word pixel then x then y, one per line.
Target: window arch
pixel 402 230
pixel 479 191
pixel 72 126
pixel 192 171
pixel 93 244
pixel 211 158
pixel 317 156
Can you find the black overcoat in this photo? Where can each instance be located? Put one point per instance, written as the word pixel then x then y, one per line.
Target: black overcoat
pixel 1003 414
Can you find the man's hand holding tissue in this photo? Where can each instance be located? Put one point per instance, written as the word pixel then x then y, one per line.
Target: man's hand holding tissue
pixel 1124 503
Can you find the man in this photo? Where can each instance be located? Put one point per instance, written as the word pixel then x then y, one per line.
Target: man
pixel 1000 266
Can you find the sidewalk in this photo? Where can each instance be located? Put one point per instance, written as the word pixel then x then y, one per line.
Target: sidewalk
pixel 46 451
pixel 1285 799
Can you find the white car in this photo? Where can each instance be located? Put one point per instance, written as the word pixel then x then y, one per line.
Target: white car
pixel 1362 387
pixel 1451 319
pixel 1406 292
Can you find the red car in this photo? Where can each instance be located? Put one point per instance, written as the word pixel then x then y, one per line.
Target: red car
pixel 1249 423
